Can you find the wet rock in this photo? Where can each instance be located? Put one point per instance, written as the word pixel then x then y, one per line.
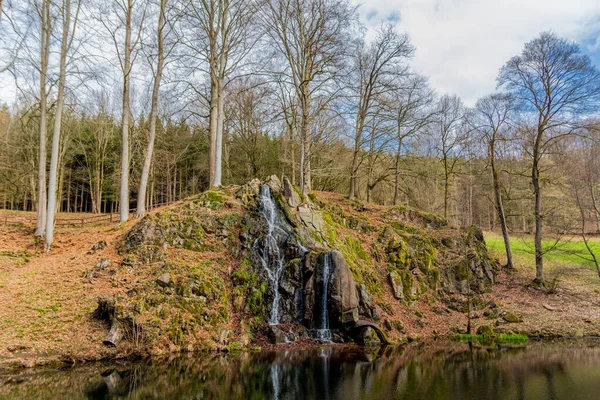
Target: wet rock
pixel 396 283
pixel 337 338
pixel 281 334
pixel 164 280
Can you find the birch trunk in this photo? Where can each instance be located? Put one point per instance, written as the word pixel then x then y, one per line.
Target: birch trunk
pixel 124 190
pixel 44 55
pixel 141 201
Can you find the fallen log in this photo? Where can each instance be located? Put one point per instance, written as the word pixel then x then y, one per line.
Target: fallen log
pixel 114 336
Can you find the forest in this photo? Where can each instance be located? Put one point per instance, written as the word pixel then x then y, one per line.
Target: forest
pixel 127 104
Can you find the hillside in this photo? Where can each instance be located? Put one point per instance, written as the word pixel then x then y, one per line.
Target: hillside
pixel 193 276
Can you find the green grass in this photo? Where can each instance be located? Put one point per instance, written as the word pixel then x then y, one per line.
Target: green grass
pixel 502 338
pixel 568 251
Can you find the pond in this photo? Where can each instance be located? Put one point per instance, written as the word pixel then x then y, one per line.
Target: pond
pixel 423 371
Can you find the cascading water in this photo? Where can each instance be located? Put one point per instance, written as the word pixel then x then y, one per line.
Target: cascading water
pixel 272 258
pixel 323 332
pixel 277 241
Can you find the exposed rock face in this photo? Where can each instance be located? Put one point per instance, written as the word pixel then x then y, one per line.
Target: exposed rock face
pixel 317 287
pixel 343 295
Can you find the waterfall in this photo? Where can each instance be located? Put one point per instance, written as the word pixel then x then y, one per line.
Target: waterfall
pixel 323 332
pixel 272 258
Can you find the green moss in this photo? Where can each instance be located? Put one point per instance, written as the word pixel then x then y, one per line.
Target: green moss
pixel 433 278
pixel 249 290
pixel 212 199
pixel 330 233
pixel 491 339
pixel 356 249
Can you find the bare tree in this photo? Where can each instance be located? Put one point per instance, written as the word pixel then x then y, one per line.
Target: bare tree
pixel 448 128
pixel 377 65
pixel 160 60
pixel 555 85
pixel 491 120
pixel 411 112
pixel 43 11
pixel 226 38
pixel 310 35
pixel 68 33
pixel 128 15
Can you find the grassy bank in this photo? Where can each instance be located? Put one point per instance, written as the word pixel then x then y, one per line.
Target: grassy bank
pixel 567 252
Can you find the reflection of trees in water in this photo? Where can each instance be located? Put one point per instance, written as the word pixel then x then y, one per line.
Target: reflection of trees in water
pixel 435 371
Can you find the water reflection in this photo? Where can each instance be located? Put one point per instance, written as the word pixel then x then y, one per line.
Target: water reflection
pixel 433 371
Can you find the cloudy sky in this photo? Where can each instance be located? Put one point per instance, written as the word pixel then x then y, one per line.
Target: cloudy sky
pixel 461 44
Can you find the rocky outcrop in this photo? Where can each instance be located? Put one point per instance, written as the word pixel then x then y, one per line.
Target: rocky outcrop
pixel 343 295
pixel 320 262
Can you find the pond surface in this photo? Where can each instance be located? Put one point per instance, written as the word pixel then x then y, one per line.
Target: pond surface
pixel 426 371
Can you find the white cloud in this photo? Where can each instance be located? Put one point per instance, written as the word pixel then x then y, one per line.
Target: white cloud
pixel 461 44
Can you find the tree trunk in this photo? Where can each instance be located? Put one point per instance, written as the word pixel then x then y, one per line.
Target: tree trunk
pixel 539 259
pixel 219 139
pixel 305 149
pixel 354 166
pixel 124 192
pixel 44 55
pixel 500 209
pixel 397 176
pixel 52 185
pixel 141 201
pixel 446 188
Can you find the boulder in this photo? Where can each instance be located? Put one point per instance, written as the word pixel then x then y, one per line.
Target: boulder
pixel 99 246
pixel 254 186
pixel 164 280
pixel 276 335
pixel 368 337
pixel 366 307
pixel 512 317
pixel 343 295
pixel 289 192
pixel 485 330
pixel 274 182
pixel 397 287
pixel 102 264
